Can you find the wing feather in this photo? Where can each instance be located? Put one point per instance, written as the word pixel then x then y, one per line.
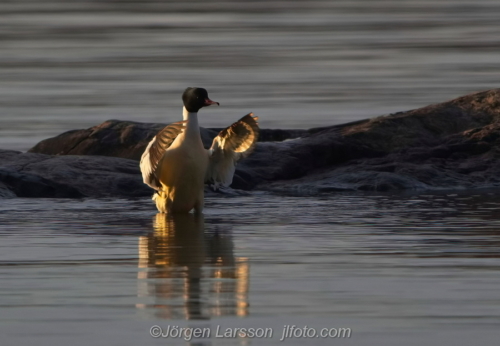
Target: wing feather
pixel 231 145
pixel 155 150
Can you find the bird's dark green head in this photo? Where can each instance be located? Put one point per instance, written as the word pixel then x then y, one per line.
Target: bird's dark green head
pixel 196 98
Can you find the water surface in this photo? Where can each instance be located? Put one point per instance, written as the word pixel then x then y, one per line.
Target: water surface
pixel 396 269
pixel 296 64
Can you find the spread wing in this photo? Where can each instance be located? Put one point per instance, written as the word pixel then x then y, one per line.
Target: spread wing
pixel 155 150
pixel 231 145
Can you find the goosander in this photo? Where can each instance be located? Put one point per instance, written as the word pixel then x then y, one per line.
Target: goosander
pixel 177 166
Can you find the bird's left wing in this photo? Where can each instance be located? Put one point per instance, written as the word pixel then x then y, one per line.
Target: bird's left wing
pixel 155 150
pixel 231 145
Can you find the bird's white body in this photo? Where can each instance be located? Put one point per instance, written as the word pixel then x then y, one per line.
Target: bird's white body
pixel 182 170
pixel 176 164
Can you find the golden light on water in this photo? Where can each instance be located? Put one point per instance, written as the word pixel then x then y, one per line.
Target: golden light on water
pixel 187 273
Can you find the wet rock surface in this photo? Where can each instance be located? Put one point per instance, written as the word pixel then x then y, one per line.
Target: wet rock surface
pixel 128 139
pixel 451 145
pixel 39 175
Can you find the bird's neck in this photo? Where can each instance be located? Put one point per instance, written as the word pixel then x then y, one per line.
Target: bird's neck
pixel 192 127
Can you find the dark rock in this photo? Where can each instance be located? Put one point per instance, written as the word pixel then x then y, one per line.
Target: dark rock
pixel 127 139
pixel 455 144
pixel 419 149
pixel 38 175
pixel 6 192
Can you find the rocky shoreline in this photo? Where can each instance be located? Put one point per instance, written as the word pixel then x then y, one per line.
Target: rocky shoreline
pixel 451 145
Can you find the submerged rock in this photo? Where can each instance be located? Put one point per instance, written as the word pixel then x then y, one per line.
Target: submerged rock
pixel 454 144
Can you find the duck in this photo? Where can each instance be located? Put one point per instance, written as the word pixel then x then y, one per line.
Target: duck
pixel 177 166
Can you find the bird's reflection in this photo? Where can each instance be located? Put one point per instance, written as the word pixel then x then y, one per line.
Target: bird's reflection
pixel 189 273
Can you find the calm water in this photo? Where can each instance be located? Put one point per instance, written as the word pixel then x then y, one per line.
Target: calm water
pixel 397 270
pixel 296 64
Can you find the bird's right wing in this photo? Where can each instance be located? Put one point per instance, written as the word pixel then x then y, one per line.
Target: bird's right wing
pixel 155 150
pixel 231 145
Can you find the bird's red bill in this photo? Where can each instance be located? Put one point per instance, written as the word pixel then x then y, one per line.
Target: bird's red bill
pixel 209 102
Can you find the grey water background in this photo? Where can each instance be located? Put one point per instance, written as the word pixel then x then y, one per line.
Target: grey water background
pixel 412 269
pixel 296 64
